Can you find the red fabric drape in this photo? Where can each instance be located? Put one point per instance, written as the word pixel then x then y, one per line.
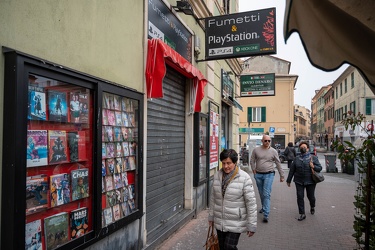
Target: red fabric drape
pixel 157 56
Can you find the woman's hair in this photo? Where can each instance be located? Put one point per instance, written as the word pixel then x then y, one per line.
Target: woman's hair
pixel 290 144
pixel 229 153
pixel 303 142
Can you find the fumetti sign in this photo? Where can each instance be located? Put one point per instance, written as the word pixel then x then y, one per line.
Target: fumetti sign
pixel 241 34
pixel 257 85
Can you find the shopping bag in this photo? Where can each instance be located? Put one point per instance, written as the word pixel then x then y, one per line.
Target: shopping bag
pixel 212 242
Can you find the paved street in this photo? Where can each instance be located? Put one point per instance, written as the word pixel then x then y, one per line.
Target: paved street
pixel 330 228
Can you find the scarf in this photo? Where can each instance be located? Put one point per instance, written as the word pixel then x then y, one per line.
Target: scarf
pixel 306 157
pixel 227 179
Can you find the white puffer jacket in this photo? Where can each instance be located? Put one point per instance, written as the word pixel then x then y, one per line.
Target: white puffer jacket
pixel 237 211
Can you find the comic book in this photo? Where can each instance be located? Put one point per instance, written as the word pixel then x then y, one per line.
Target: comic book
pixel 105 117
pixel 125 148
pixel 110 163
pixel 57 146
pixel 124 193
pixel 125 133
pixel 132 148
pixel 79 222
pixel 84 104
pixel 111 117
pixel 77 146
pixel 118 196
pixel 107 215
pixel 111 198
pixel 37 148
pixel 130 134
pixel 57 106
pixel 108 183
pixel 108 101
pixel 131 120
pixel 37 104
pixel 116 212
pixel 74 107
pixel 33 235
pixel 103 184
pixel 36 193
pixel 126 164
pixel 104 171
pixel 80 183
pixel 125 119
pixel 131 205
pixel 131 189
pixel 124 178
pixel 110 149
pixel 132 164
pixel 125 209
pixel 104 150
pixel 116 102
pixel 117 134
pixel 118 117
pixel 56 229
pixel 118 149
pixel 59 189
pixel 109 133
pixel 117 181
pixel 119 165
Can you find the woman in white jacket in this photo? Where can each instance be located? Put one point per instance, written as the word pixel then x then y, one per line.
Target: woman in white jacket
pixel 233 208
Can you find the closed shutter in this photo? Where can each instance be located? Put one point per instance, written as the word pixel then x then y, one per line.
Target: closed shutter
pixel 368 106
pixel 165 153
pixel 263 113
pixel 249 114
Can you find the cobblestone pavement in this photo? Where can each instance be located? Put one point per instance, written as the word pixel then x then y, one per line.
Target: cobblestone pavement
pixel 331 227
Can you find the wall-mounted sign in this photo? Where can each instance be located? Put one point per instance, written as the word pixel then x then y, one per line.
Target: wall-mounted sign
pixel 241 34
pixel 164 25
pixel 226 85
pixel 257 85
pixel 251 130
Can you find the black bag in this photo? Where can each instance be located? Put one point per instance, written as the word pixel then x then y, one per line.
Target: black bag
pixel 317 176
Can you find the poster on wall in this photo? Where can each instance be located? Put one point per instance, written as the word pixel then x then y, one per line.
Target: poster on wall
pixel 214 136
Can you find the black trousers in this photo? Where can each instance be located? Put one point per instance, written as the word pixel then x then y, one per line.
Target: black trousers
pixel 228 240
pixel 310 192
pixel 290 163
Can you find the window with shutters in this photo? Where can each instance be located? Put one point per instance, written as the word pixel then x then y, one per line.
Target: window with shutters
pixel 370 106
pixel 256 114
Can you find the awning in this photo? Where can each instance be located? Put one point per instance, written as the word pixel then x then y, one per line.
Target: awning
pixel 235 103
pixel 157 56
pixel 334 32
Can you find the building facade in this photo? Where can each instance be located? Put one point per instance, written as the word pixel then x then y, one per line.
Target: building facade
pixel 269 114
pixel 302 123
pixel 172 127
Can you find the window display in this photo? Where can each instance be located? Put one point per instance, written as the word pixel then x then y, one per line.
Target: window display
pixel 59 163
pixel 119 154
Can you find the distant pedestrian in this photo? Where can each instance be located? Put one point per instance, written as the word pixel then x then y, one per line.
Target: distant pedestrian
pixel 290 153
pixel 233 208
pixel 301 171
pixel 262 163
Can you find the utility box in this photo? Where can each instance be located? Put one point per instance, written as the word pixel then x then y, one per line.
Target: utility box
pixel 331 163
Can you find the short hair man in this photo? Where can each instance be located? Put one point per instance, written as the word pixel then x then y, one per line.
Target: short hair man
pixel 262 163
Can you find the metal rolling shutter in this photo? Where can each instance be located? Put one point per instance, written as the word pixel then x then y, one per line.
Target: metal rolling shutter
pixel 166 153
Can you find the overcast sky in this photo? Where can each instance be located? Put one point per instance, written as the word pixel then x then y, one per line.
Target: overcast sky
pixel 309 77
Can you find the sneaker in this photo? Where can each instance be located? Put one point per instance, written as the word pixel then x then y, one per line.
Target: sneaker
pixel 301 217
pixel 312 210
pixel 265 219
pixel 261 211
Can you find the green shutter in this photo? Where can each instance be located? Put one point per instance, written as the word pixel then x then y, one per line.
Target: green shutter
pixel 249 114
pixel 263 118
pixel 368 106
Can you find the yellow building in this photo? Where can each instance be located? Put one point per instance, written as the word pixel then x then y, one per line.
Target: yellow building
pixel 271 112
pixel 302 122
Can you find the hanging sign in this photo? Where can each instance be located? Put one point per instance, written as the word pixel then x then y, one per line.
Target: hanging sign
pixel 241 34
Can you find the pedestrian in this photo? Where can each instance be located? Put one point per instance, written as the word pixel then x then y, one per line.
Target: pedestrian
pixel 301 170
pixel 262 163
pixel 290 153
pixel 233 208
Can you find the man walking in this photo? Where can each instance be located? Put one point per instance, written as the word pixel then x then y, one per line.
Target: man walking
pixel 262 163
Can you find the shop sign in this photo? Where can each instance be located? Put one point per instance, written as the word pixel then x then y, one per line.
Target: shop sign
pixel 164 25
pixel 241 34
pixel 257 85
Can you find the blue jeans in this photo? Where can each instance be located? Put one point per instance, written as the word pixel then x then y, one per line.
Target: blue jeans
pixel 264 184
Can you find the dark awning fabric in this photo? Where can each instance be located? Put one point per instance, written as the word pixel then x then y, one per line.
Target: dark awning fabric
pixel 237 104
pixel 334 32
pixel 157 56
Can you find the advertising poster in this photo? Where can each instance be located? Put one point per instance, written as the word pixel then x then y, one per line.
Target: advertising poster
pixel 214 139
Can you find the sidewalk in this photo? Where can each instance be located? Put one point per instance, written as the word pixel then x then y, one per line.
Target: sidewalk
pixel 330 228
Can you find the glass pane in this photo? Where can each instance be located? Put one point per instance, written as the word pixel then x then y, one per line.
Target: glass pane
pixel 119 157
pixel 59 162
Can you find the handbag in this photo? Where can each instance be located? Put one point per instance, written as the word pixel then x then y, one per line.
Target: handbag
pixel 316 176
pixel 212 242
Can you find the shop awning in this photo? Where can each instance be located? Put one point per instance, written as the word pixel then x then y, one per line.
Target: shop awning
pixel 159 54
pixel 334 32
pixel 235 103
